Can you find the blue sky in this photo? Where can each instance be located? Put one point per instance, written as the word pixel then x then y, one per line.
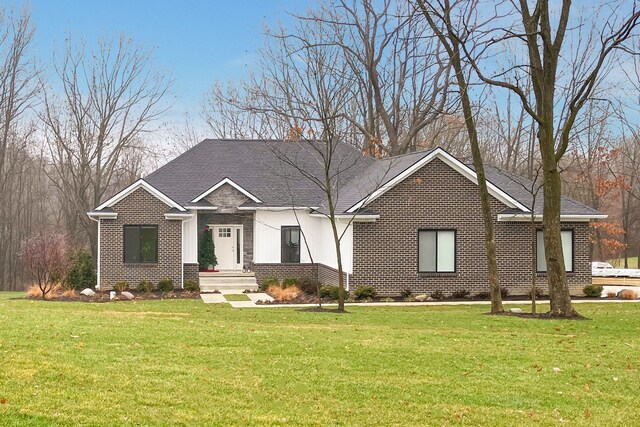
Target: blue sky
pixel 196 42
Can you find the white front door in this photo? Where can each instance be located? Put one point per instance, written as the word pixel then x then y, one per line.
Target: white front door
pixel 228 246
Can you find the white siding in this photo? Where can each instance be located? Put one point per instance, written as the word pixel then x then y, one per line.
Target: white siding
pixel 190 240
pixel 317 232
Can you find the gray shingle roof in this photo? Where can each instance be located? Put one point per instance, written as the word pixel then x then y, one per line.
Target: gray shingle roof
pixel 260 167
pixel 523 189
pixel 263 168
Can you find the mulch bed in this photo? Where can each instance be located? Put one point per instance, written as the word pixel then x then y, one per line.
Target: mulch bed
pixel 101 297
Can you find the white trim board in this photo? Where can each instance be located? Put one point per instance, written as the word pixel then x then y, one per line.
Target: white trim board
pixel 456 164
pixel 141 183
pixel 538 218
pixel 231 183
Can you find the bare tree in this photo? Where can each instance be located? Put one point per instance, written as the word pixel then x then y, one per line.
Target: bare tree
pixel 20 173
pixel 109 98
pixel 46 256
pixel 440 21
pixel 400 78
pixel 564 64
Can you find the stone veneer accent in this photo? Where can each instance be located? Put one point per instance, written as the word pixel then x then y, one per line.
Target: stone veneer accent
pixel 438 197
pixel 140 208
pixel 227 199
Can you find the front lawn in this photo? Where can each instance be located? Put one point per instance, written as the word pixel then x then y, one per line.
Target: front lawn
pixel 184 362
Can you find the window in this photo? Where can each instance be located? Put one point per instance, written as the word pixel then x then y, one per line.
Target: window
pixel 567 250
pixel 224 232
pixel 290 244
pixel 436 251
pixel 140 243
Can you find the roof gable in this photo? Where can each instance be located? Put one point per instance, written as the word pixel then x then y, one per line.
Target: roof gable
pixel 141 183
pixel 427 158
pixel 220 184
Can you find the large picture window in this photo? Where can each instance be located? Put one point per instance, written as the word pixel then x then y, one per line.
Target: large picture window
pixel 567 250
pixel 140 243
pixel 290 244
pixel 437 251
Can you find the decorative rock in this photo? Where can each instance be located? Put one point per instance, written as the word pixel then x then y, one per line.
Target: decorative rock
pixel 422 297
pixel 127 296
pixel 87 292
pixel 516 310
pixel 430 299
pixel 556 370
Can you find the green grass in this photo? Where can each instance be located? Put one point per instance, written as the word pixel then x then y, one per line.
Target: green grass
pixel 633 262
pixel 187 363
pixel 236 297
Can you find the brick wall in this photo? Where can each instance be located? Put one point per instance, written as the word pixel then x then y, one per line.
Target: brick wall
pixel 140 208
pixel 283 271
pixel 438 197
pixel 191 272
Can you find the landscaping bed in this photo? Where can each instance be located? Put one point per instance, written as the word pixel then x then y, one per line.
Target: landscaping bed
pixel 60 294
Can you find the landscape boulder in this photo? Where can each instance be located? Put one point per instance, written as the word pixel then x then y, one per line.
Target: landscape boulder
pixel 422 297
pixel 88 292
pixel 126 296
pixel 516 310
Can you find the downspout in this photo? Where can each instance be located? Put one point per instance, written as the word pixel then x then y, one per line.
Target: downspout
pixel 98 263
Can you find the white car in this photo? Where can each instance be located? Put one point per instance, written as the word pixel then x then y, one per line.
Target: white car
pixel 599 265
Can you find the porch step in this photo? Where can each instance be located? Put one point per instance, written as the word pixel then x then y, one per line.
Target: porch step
pixel 228 282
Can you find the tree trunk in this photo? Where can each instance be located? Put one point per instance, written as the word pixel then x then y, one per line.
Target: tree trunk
pixel 556 275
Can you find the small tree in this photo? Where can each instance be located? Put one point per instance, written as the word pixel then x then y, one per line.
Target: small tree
pixel 81 273
pixel 207 255
pixel 45 255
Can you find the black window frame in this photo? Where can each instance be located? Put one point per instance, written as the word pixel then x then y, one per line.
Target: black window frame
pixel 139 227
pixel 573 250
pixel 455 250
pixel 283 233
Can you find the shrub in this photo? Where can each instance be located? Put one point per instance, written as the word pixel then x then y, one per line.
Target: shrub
pixel 437 294
pixel 165 285
pixel 145 286
pixel 406 292
pixel 268 281
pixel 308 285
pixel 69 293
pixel 611 294
pixel 283 294
pixel 387 300
pixel 81 274
pixel 191 286
pixel 538 293
pixel 121 286
pixel 289 281
pixel 409 298
pixel 329 291
pixel 364 292
pixel 627 294
pixel 462 293
pixel 504 292
pixel 592 290
pixel 483 295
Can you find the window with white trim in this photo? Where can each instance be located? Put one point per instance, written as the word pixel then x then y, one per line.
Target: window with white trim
pixel 436 251
pixel 567 250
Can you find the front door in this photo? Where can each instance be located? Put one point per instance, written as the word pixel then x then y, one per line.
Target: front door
pixel 228 246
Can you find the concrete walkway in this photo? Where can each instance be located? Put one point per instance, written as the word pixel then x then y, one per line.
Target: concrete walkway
pixel 221 299
pixel 264 297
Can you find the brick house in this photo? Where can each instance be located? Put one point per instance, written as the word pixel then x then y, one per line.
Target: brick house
pixel 407 222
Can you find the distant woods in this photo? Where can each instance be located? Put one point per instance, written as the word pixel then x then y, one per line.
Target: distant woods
pixel 77 127
pixel 71 133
